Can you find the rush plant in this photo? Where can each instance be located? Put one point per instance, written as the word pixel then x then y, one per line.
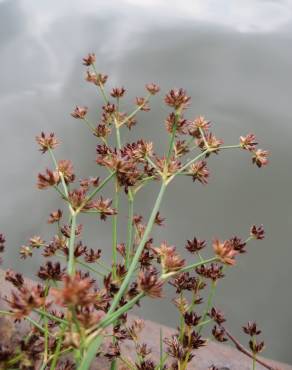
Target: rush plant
pixel 80 310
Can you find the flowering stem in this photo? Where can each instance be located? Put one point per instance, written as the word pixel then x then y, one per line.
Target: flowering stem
pixel 111 315
pixel 50 316
pixel 246 352
pixel 115 232
pixel 90 126
pixel 118 136
pixel 129 228
pixel 71 260
pixel 106 322
pixel 187 268
pixel 209 303
pixel 135 111
pixel 95 191
pixel 171 141
pixel 60 173
pixel 58 349
pixel 139 250
pixel 229 146
pixel 199 156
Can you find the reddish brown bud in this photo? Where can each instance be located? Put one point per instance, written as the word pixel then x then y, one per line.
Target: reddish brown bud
pixel 257 232
pixel 224 251
pixel 260 157
pixel 152 88
pixel 55 216
pixel 79 112
pixel 118 92
pixel 47 142
pixel 177 98
pixel 89 59
pixel 200 172
pixel 50 178
pixel 248 142
pixel 142 104
pixel 149 283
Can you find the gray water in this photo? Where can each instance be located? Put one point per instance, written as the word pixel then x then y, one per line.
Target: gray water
pixel 234 59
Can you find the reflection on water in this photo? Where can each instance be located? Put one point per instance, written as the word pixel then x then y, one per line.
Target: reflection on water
pixel 234 61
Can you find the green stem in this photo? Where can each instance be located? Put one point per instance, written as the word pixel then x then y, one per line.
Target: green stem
pixel 172 138
pixel 129 228
pixel 87 266
pixel 114 316
pixel 188 268
pixel 91 353
pixel 209 302
pixel 58 349
pixel 60 173
pixel 115 232
pixel 139 250
pixel 33 322
pixel 135 111
pixel 90 126
pixel 50 316
pixel 95 191
pixel 118 136
pixel 199 156
pixel 71 260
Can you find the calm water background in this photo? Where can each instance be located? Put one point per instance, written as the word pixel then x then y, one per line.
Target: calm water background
pixel 234 59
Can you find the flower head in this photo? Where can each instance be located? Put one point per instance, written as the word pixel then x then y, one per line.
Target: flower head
pixel 47 141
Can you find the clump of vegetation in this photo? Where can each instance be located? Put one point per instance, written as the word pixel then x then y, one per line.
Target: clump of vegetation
pixel 80 310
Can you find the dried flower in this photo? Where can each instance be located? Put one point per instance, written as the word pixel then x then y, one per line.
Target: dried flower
pixel 36 242
pixel 47 142
pixel 50 178
pixel 66 168
pixel 118 92
pixel 103 206
pixel 15 278
pixel 248 142
pixel 152 88
pixel 143 104
pixel 26 299
pixel 213 271
pixel 238 245
pixel 195 245
pixel 260 157
pixel 256 347
pixel 200 172
pixel 191 318
pixel 76 291
pixel 217 316
pixel 79 112
pixel 224 251
pixel 55 216
pixel 257 232
pixel 177 98
pixel 170 260
pixel 89 59
pixel 149 283
pixel 25 251
pixel 2 243
pixel 179 124
pixel 51 271
pixel 92 255
pixel 159 220
pixel 219 334
pixel 251 329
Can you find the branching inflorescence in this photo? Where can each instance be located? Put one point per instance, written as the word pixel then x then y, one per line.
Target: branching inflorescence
pixel 81 308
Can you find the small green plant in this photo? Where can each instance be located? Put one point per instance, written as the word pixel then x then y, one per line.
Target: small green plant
pixel 81 308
